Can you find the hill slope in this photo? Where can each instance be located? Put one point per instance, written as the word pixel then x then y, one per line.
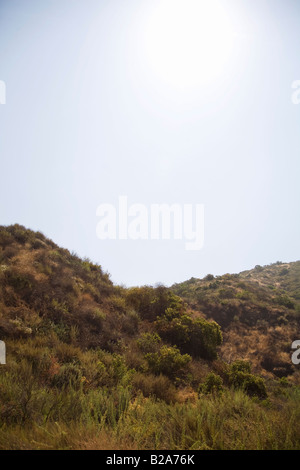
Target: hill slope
pixel 94 365
pixel 258 310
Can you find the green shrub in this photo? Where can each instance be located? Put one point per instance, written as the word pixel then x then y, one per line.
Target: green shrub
pixel 19 281
pixel 130 322
pixel 240 366
pixel 226 293
pixel 285 301
pixel 6 237
pixel 69 375
pixel 20 233
pixel 244 295
pixel 149 342
pixel 213 384
pixel 151 302
pixel 251 384
pixel 197 337
pixel 37 244
pixel 167 361
pixel 240 377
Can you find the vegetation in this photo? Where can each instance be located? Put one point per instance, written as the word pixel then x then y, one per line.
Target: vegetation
pixel 258 312
pixel 96 366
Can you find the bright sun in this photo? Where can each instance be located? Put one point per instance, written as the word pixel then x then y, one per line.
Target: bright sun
pixel 188 41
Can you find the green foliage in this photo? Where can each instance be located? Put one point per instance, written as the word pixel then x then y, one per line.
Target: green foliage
pixel 19 281
pixel 151 302
pixel 240 366
pixel 284 382
pixel 94 365
pixel 6 237
pixel 69 375
pixel 285 300
pixel 213 383
pixel 167 361
pixel 130 322
pixel 149 342
pixel 244 295
pixel 226 293
pixel 197 337
pixel 240 377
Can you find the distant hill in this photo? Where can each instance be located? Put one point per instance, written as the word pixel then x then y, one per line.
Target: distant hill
pixel 258 310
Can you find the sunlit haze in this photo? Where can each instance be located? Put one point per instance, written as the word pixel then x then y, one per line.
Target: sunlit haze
pixel 171 101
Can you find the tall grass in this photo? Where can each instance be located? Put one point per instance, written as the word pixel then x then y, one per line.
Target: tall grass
pixel 73 419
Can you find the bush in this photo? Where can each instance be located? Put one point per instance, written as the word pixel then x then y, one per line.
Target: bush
pixel 149 342
pixel 130 322
pixel 150 302
pixel 69 375
pixel 5 237
pixel 37 244
pixel 155 386
pixel 197 337
pixel 20 233
pixel 19 281
pixel 251 384
pixel 240 366
pixel 240 377
pixel 167 361
pixel 213 384
pixel 285 301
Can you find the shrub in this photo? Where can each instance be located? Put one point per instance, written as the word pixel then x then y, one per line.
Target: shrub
pixel 9 252
pixel 213 384
pixel 19 281
pixel 37 244
pixel 226 293
pixel 151 302
pixel 20 233
pixel 240 377
pixel 240 366
pixel 5 237
pixel 167 361
pixel 130 322
pixel 157 386
pixel 149 342
pixel 244 295
pixel 285 301
pixel 251 384
pixel 69 375
pixel 197 337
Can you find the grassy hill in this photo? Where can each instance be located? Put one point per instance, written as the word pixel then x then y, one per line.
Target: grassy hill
pixel 258 310
pixel 204 364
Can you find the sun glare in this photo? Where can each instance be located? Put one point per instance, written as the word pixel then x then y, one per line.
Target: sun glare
pixel 188 41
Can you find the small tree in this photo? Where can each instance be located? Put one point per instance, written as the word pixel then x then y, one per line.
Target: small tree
pixel 213 384
pixel 167 361
pixel 240 377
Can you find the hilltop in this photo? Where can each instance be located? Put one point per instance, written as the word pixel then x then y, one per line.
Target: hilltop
pixel 180 367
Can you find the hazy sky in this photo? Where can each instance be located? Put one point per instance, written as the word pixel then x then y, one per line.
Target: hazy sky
pixel 162 101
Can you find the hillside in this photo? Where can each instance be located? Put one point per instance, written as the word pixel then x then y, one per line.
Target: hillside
pixel 95 365
pixel 258 310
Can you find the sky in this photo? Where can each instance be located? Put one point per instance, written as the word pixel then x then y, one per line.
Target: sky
pixel 161 101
